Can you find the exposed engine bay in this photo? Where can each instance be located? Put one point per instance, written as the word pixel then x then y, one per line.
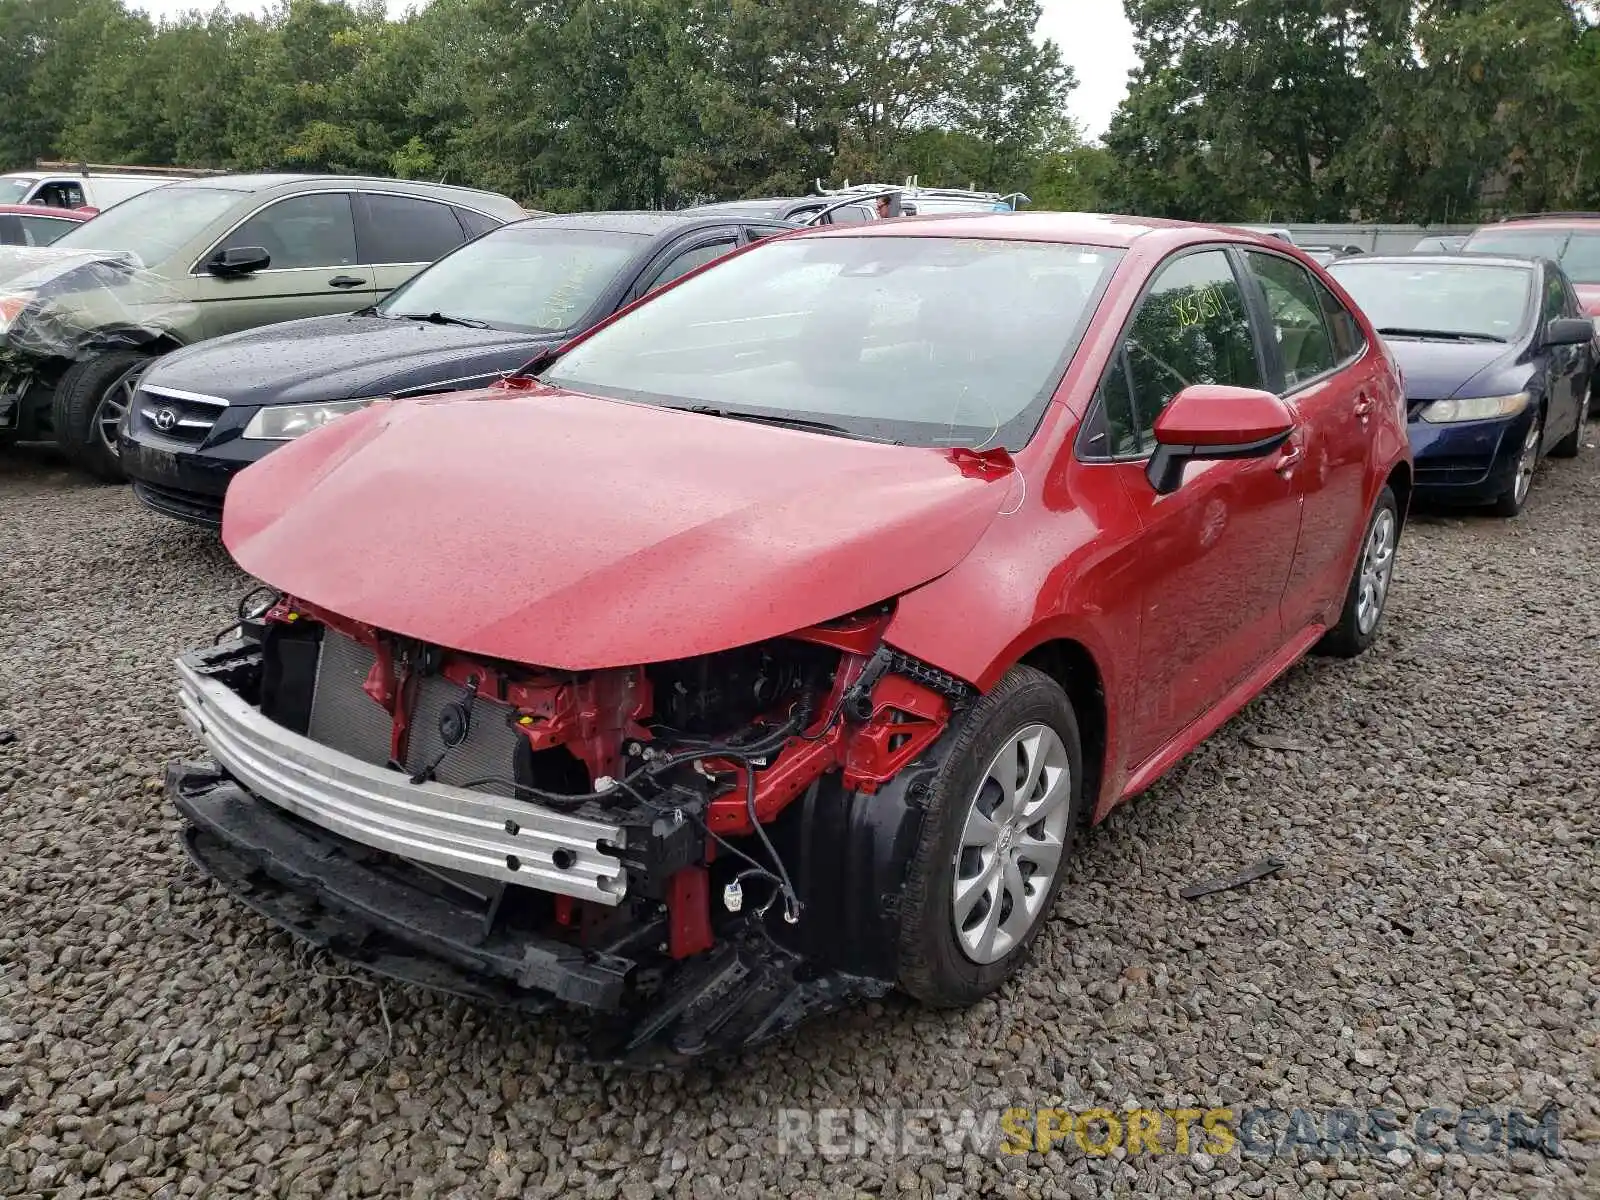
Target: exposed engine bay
pixel 662 846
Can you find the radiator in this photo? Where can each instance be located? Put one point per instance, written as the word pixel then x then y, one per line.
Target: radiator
pixel 343 717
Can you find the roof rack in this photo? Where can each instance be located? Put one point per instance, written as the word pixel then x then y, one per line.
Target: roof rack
pixel 1554 215
pixel 83 168
pixel 912 189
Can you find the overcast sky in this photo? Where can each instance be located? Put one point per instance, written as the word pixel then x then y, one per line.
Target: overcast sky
pixel 1093 36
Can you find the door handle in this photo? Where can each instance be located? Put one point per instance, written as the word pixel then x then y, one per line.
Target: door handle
pixel 1289 458
pixel 346 281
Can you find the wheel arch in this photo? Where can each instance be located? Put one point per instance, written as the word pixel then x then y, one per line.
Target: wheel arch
pixel 1401 483
pixel 130 337
pixel 1073 667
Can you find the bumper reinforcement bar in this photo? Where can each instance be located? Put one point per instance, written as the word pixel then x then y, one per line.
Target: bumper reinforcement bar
pixel 475 833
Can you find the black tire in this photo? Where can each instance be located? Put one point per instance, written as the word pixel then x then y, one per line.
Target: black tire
pixel 1509 503
pixel 934 968
pixel 1569 446
pixel 1348 639
pixel 81 393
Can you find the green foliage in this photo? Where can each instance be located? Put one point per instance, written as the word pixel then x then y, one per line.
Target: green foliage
pixel 561 103
pixel 1439 110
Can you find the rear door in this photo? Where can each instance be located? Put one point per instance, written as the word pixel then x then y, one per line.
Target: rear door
pixel 399 235
pixel 1311 343
pixel 311 238
pixel 1213 557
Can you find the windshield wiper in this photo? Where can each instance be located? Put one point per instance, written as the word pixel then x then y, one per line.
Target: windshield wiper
pixel 1442 335
pixel 705 410
pixel 439 318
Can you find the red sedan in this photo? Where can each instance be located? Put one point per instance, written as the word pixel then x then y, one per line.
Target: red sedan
pixel 774 643
pixel 36 225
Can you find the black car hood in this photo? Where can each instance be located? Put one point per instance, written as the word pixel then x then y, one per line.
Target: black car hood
pixel 340 358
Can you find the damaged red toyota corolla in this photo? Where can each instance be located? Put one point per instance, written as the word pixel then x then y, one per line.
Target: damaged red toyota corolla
pixel 773 646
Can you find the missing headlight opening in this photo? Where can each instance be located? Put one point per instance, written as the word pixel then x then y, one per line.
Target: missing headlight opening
pixel 554 836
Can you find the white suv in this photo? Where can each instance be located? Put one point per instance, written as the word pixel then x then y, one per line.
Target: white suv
pixel 57 185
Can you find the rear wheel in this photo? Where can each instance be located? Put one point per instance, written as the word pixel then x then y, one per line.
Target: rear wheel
pixel 1511 501
pixel 91 398
pixel 1369 587
pixel 1569 446
pixel 1004 814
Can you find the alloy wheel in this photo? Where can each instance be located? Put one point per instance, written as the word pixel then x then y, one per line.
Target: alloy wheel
pixel 1377 568
pixel 1012 844
pixel 114 405
pixel 1527 461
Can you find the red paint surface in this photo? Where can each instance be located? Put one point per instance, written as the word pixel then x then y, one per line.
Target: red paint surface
pixel 1208 415
pixel 568 532
pixel 44 210
pixel 689 912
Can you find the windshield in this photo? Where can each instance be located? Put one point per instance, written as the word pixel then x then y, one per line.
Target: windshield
pixel 1578 251
pixel 12 190
pixel 152 224
pixel 525 277
pixel 924 340
pixel 1470 299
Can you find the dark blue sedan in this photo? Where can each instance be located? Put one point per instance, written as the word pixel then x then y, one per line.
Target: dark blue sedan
pixel 1498 359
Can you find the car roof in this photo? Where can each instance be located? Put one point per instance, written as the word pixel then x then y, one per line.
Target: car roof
pixel 1095 229
pixel 265 182
pixel 648 223
pixel 1565 220
pixel 759 204
pixel 44 210
pixel 1447 260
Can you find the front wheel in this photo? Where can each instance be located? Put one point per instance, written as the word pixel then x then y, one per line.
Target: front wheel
pixel 91 398
pixel 1369 587
pixel 1510 502
pixel 1004 814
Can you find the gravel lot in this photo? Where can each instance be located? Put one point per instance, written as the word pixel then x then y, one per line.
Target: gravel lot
pixel 1435 938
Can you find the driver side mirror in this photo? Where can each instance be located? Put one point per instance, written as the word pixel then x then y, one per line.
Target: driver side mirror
pixel 1206 422
pixel 1568 331
pixel 238 260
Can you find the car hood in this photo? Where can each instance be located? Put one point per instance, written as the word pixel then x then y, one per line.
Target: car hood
pixel 565 531
pixel 71 298
pixel 339 358
pixel 28 269
pixel 1589 297
pixel 1439 370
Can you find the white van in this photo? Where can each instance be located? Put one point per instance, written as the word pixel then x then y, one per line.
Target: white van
pixel 63 185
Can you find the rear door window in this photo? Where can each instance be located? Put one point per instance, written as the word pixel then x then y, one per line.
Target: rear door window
pixel 316 230
pixel 1295 311
pixel 407 229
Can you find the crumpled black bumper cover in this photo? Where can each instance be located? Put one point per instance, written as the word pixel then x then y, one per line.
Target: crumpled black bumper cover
pixel 741 994
pixel 311 886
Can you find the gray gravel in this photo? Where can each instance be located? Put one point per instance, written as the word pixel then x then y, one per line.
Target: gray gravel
pixel 1434 940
